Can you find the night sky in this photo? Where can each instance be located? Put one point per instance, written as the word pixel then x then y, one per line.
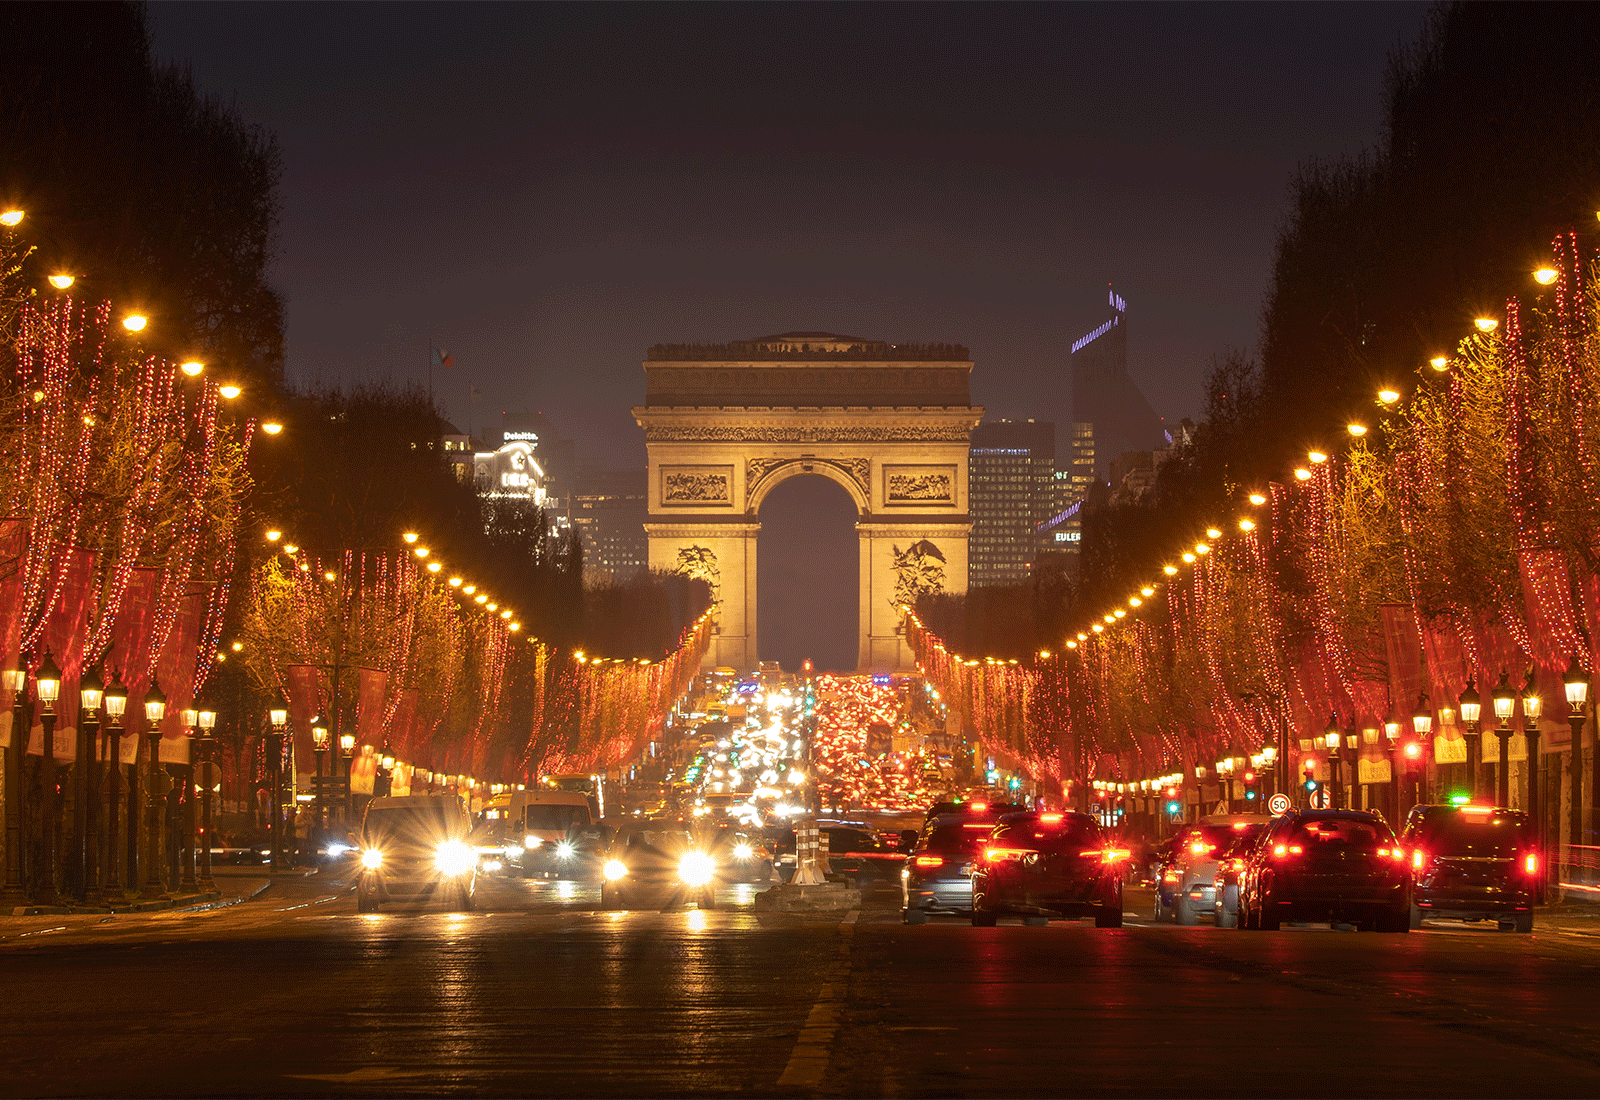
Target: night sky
pixel 545 191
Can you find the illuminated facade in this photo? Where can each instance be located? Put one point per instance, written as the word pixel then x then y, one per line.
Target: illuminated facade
pixel 1011 472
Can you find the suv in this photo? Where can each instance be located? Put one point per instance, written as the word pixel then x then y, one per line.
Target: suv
pixel 937 878
pixel 1048 866
pixel 416 846
pixel 1472 863
pixel 1186 887
pixel 1326 865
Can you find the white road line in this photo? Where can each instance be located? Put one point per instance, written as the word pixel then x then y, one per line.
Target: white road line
pixel 809 1060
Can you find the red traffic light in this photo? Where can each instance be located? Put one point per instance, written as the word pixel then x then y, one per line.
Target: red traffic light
pixel 1249 777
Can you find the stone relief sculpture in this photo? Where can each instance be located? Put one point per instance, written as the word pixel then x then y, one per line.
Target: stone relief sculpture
pixel 700 563
pixel 918 571
pixel 685 486
pixel 921 487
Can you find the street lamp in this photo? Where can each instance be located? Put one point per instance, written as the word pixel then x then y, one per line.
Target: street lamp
pixel 1577 689
pixel 347 749
pixel 155 710
pixel 1532 707
pixel 1505 700
pixel 1334 738
pixel 208 721
pixel 320 740
pixel 1471 707
pixel 47 687
pixel 116 704
pixel 278 715
pixel 1391 734
pixel 14 680
pixel 186 882
pixel 86 818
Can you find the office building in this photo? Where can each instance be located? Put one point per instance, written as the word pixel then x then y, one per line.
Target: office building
pixel 1105 396
pixel 1011 480
pixel 609 508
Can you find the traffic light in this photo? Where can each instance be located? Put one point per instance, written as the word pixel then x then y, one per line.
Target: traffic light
pixel 1174 808
pixel 1250 792
pixel 1312 786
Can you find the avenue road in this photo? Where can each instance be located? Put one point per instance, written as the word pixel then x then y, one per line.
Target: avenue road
pixel 295 994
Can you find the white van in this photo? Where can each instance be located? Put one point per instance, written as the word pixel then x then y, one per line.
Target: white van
pixel 550 832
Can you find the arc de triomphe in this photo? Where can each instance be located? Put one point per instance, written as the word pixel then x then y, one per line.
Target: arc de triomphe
pixel 725 424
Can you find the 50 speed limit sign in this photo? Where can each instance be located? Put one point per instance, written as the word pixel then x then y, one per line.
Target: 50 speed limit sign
pixel 1278 804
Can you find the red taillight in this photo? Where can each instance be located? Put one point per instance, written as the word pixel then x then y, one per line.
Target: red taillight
pixel 1418 859
pixel 929 861
pixel 1116 855
pixel 979 807
pixel 1530 863
pixel 1200 848
pixel 992 853
pixel 1050 819
pixel 1287 850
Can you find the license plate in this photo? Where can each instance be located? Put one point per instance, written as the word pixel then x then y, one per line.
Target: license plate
pixel 966 868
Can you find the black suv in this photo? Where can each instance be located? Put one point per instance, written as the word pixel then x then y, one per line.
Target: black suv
pixel 1048 866
pixel 1473 863
pixel 1326 865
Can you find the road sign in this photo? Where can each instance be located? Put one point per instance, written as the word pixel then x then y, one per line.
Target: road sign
pixel 1320 799
pixel 1278 804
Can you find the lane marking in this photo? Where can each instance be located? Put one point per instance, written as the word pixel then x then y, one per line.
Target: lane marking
pixel 809 1060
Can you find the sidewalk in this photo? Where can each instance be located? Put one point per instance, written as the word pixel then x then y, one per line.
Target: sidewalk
pixel 233 886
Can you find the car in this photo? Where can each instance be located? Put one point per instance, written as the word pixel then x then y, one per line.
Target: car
pixel 937 876
pixel 654 864
pixel 1048 866
pixel 416 846
pixel 740 856
pixel 1230 863
pixel 1185 885
pixel 1339 866
pixel 1472 862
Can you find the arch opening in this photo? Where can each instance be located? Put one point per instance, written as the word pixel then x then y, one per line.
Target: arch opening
pixel 809 576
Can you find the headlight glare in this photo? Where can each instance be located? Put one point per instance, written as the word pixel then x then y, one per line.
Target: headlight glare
pixel 696 868
pixel 564 850
pixel 614 869
pixel 742 851
pixel 372 859
pixel 454 858
pixel 531 841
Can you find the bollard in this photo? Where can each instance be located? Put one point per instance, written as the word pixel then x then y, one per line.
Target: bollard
pixel 824 868
pixel 806 872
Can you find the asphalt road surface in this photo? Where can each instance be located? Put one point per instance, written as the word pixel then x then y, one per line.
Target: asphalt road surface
pixel 295 994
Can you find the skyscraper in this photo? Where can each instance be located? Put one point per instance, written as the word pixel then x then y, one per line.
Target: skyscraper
pixel 1104 396
pixel 1011 485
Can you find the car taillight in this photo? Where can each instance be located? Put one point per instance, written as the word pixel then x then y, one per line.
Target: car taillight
pixel 1287 850
pixel 1530 863
pixel 991 853
pixel 1106 855
pixel 1392 853
pixel 1418 859
pixel 929 861
pixel 1049 819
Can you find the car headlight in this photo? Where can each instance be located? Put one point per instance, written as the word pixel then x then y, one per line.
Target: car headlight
pixel 742 851
pixel 696 868
pixel 614 869
pixel 372 859
pixel 454 858
pixel 511 850
pixel 531 841
pixel 564 850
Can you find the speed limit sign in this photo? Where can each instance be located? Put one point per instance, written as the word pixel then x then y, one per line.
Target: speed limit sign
pixel 1278 804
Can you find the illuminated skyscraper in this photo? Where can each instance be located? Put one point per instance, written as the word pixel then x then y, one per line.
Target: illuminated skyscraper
pixel 1011 485
pixel 1104 396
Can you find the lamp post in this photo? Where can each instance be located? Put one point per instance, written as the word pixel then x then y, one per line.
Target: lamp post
pixel 278 715
pixel 208 721
pixel 85 810
pixel 47 687
pixel 347 749
pixel 15 680
pixel 155 709
pixel 1577 685
pixel 1391 734
pixel 1505 700
pixel 321 740
pixel 1334 738
pixel 1471 709
pixel 187 883
pixel 1532 707
pixel 116 703
pixel 1422 727
pixel 385 777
